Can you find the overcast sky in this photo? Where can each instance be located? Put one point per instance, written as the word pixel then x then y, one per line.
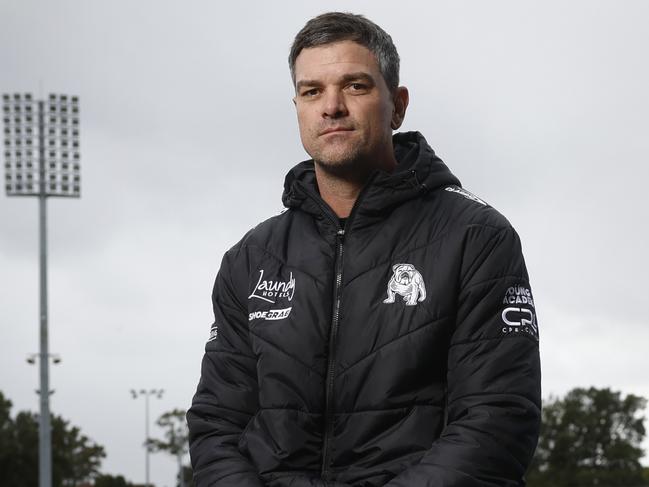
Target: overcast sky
pixel 187 131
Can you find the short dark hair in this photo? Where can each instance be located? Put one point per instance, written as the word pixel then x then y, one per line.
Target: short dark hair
pixel 342 26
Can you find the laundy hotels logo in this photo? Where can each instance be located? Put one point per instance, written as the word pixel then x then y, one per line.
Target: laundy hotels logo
pixel 518 314
pixel 270 291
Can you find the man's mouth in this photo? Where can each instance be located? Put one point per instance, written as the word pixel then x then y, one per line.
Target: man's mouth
pixel 332 130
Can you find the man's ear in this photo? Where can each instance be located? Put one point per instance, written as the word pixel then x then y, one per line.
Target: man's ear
pixel 401 99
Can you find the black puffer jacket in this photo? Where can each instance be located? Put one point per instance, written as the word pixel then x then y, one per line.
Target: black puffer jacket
pixel 401 350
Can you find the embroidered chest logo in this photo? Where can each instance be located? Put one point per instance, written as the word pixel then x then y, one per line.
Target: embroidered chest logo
pixel 269 290
pixel 407 282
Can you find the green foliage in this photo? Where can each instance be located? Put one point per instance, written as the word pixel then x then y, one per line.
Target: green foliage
pixel 112 481
pixel 590 437
pixel 176 442
pixel 176 433
pixel 75 458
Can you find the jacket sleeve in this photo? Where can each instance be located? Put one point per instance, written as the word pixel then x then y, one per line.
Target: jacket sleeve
pixel 227 394
pixel 493 377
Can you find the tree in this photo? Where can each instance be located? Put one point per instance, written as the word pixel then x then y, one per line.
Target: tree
pixel 75 458
pixel 176 442
pixel 112 481
pixel 590 437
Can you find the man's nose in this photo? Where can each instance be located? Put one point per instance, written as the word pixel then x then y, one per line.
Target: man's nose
pixel 334 104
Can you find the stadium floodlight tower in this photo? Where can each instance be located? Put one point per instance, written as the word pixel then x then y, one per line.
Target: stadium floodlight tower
pixel 41 158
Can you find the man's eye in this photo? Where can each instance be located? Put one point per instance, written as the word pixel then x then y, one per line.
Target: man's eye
pixel 311 92
pixel 357 87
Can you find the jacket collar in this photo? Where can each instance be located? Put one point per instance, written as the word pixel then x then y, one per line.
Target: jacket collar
pixel 418 171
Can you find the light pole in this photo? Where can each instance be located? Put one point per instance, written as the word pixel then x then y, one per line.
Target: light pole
pixel 147 393
pixel 41 154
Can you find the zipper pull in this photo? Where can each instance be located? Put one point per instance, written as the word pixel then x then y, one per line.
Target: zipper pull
pixel 341 232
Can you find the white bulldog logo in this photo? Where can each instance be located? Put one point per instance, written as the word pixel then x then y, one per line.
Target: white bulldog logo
pixel 406 281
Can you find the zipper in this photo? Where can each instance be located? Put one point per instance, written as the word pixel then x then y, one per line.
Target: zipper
pixel 329 424
pixel 335 319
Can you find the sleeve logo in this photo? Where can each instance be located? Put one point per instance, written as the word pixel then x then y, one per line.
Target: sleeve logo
pixel 518 314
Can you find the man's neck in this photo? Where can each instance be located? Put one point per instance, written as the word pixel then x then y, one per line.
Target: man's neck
pixel 341 191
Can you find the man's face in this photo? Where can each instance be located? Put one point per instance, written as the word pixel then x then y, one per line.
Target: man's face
pixel 344 107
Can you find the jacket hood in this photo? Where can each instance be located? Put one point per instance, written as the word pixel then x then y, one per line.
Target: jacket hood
pixel 418 170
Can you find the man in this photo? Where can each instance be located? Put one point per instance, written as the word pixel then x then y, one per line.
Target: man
pixel 382 330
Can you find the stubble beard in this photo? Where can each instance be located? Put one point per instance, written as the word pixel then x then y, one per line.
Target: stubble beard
pixel 348 162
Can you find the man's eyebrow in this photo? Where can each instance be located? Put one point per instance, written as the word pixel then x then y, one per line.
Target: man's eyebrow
pixel 307 82
pixel 360 76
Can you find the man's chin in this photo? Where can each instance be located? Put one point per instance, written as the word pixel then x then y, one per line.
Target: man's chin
pixel 342 167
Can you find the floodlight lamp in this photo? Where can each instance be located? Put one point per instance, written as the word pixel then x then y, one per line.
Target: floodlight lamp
pixel 52 97
pixel 53 120
pixel 64 120
pixel 5 97
pixel 6 120
pixel 17 120
pixel 52 108
pixel 52 154
pixel 28 119
pixel 17 96
pixel 6 108
pixel 76 166
pixel 63 98
pixel 17 108
pixel 31 359
pixel 28 108
pixel 52 186
pixel 75 99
